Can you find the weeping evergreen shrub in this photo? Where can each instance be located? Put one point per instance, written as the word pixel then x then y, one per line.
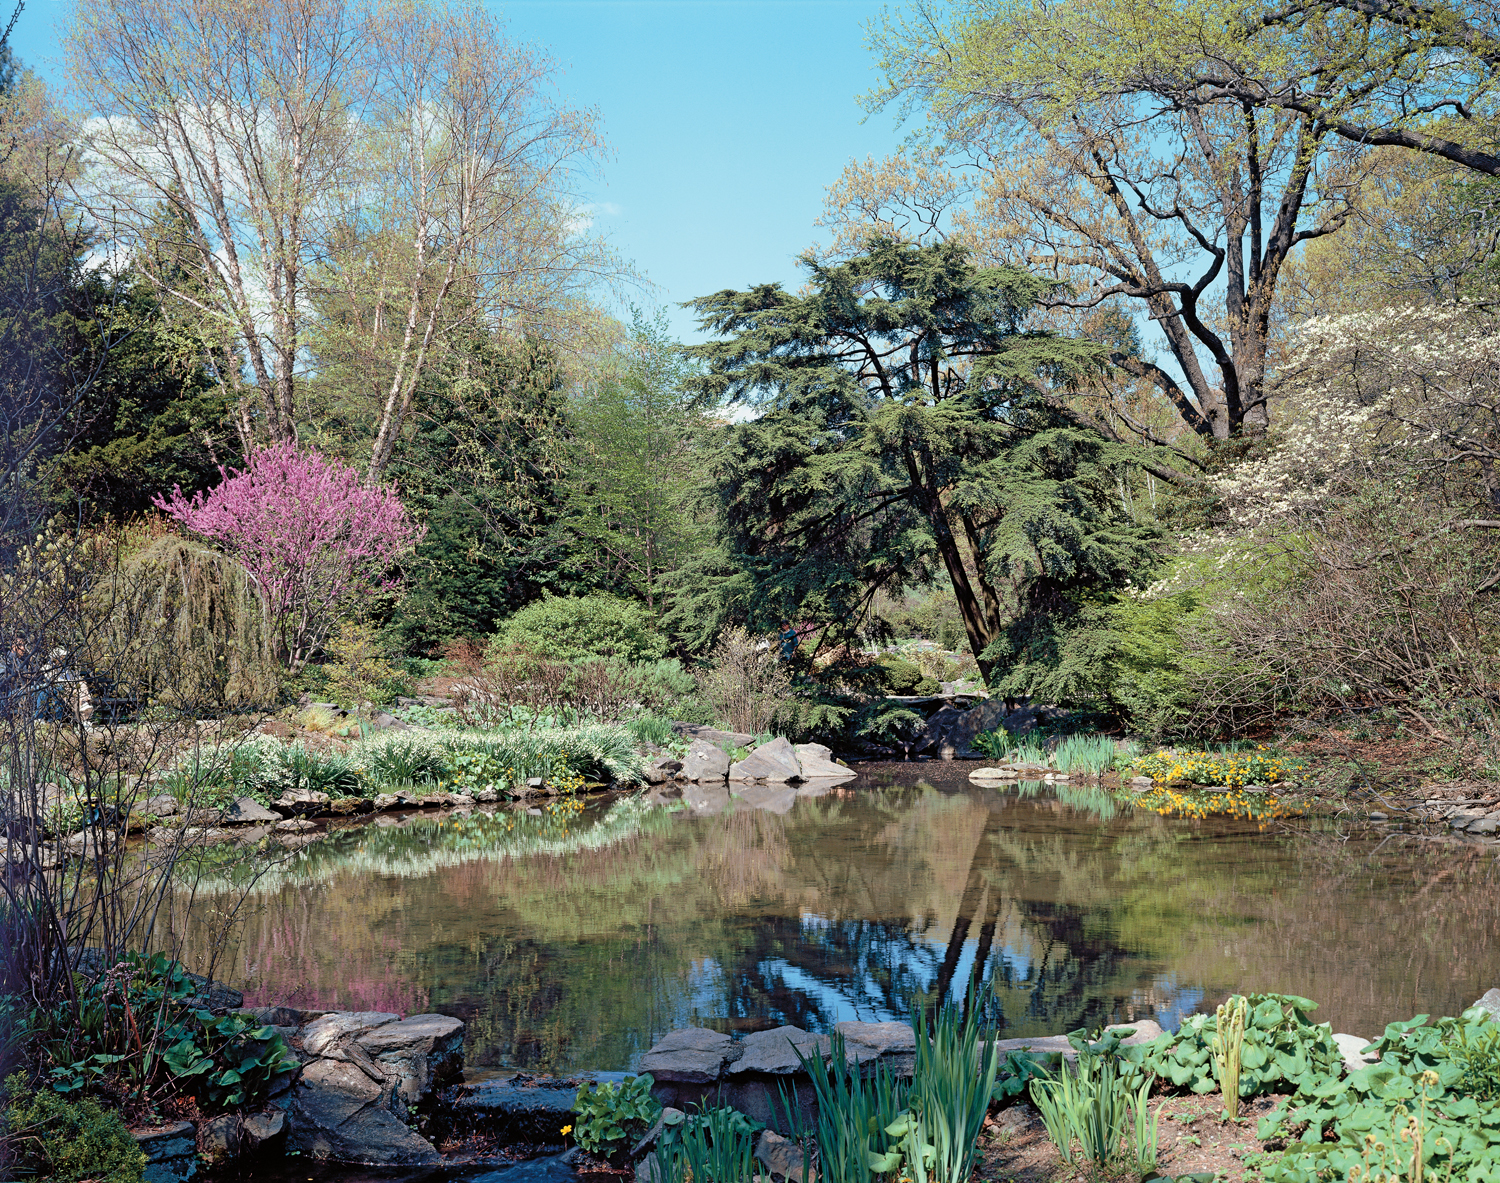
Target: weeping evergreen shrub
pixel 187 630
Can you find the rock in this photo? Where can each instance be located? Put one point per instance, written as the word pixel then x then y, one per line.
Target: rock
pixel 705 762
pixel 171 1152
pixel 519 1108
pixel 279 1016
pixel 161 805
pixel 773 761
pixel 384 801
pixel 295 825
pixel 694 1055
pixel 222 1138
pixel 648 1139
pixel 1006 773
pixel 1485 825
pixel 259 1129
pixel 773 798
pixel 782 1157
pixel 329 1032
pixel 817 761
pixel 385 721
pixel 1490 1000
pixel 302 801
pixel 87 844
pixel 1016 1120
pixel 662 769
pixel 776 1052
pixel 894 1044
pixel 1351 1047
pixel 337 1112
pixel 487 796
pixel 1145 1031
pixel 819 785
pixel 726 740
pixel 248 811
pixel 421 1052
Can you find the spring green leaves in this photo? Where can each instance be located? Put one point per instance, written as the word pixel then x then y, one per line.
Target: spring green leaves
pixel 608 1114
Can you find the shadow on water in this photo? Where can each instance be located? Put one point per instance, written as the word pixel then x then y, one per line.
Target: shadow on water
pixel 572 943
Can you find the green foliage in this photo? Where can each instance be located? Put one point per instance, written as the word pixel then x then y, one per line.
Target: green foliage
pixel 1282 1048
pixel 638 430
pixel 294 767
pixel 357 668
pixel 1423 1092
pixel 1015 1075
pixel 473 761
pixel 397 761
pixel 853 1116
pixel 1228 1047
pixel 483 469
pixel 1095 1106
pixel 610 1116
pixel 995 744
pixel 906 399
pixel 905 677
pixel 952 1080
pixel 714 1144
pixel 66 1139
pixel 653 729
pixel 1093 754
pixel 226 1061
pixel 566 628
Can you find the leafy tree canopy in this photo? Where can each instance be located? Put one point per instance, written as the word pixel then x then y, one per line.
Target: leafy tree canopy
pixel 911 422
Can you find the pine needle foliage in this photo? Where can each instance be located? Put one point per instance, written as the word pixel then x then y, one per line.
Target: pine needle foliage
pixel 913 420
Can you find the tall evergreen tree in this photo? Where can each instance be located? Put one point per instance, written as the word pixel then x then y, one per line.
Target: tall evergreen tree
pixel 912 424
pixel 483 470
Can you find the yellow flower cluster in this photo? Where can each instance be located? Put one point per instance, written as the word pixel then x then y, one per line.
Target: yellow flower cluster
pixel 1232 769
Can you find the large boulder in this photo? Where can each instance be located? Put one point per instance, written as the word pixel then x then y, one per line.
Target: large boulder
pixel 775 760
pixel 704 762
pixel 1490 1001
pixel 693 1055
pixel 337 1112
pixel 817 763
pixel 422 1052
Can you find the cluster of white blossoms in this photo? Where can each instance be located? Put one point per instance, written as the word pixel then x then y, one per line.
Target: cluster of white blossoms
pixel 1420 382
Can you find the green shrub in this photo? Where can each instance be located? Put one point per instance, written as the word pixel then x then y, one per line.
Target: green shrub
pixel 566 628
pixel 905 677
pixel 68 1140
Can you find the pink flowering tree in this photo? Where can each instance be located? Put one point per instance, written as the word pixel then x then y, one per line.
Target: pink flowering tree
pixel 310 532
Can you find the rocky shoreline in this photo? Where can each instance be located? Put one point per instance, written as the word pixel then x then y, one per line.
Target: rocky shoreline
pixel 376 1089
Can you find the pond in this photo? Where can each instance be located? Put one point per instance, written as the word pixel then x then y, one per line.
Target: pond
pixel 574 939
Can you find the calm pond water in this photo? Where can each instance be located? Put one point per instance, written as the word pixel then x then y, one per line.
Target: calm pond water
pixel 573 941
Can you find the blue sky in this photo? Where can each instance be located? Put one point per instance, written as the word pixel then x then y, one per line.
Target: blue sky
pixel 727 119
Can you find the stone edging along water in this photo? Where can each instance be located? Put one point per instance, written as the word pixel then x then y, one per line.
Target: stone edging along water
pixel 367 1077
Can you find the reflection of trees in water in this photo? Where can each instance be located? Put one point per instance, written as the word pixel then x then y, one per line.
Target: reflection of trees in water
pixel 580 955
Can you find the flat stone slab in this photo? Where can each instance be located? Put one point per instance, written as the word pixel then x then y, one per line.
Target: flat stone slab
pixel 323 1033
pixel 776 1051
pixel 1351 1047
pixel 247 811
pixel 171 1152
pixel 881 1037
pixel 693 1055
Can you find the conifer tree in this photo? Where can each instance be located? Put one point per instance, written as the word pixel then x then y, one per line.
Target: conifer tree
pixel 912 425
